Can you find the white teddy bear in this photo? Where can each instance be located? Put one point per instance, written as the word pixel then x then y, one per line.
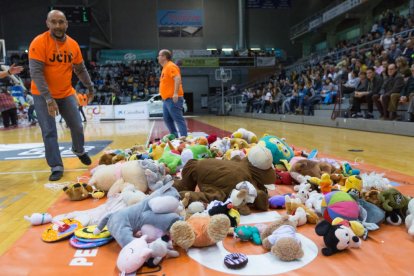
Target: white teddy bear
pixel 409 220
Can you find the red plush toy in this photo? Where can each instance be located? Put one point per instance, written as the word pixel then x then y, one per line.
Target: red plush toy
pixel 211 138
pixel 283 178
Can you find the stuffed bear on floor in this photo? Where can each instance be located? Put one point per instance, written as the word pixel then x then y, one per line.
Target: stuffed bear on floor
pixel 216 178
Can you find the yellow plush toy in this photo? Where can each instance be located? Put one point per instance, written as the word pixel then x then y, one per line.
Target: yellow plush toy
pixel 325 183
pixel 241 143
pixel 353 184
pixel 249 136
pixel 157 151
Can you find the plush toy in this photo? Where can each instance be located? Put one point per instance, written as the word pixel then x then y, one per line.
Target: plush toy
pixel 156 176
pixel 172 160
pixel 324 183
pixel 226 208
pixel 158 210
pixel 283 178
pixel 244 193
pixel 370 215
pixel 200 230
pixel 168 137
pixel 311 168
pixel 278 148
pixel 39 219
pixel 116 202
pixel 302 191
pixel 157 151
pixel 339 179
pixel 105 176
pixel 239 143
pixel 211 138
pixel 106 158
pixel 409 219
pixel 201 141
pixel 161 248
pixel 133 256
pixel 353 185
pixel 339 204
pixel 247 233
pixel 242 133
pixel 277 201
pixel 195 152
pixel 294 203
pixel 355 226
pixel 372 196
pixel 336 237
pixel 315 202
pixel 232 153
pixel 78 191
pixel 299 217
pixel 97 194
pixel 395 205
pixel 375 181
pixel 220 146
pixel 281 239
pixel 216 178
pixel 348 171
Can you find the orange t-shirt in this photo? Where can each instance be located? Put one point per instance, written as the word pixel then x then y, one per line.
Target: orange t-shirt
pixel 83 99
pixel 58 58
pixel 169 71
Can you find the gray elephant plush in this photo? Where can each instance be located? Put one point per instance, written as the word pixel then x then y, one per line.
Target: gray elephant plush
pixel 158 210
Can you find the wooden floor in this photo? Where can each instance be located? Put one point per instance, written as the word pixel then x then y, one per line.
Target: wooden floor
pixel 22 189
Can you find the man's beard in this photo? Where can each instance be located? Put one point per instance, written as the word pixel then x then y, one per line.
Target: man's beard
pixel 56 35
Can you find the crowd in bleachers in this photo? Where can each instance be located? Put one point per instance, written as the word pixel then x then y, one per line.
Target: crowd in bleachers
pixel 381 75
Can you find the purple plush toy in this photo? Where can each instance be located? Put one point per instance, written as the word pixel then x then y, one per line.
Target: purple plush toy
pixel 277 201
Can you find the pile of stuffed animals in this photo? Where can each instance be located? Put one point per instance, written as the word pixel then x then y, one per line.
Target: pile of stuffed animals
pixel 191 191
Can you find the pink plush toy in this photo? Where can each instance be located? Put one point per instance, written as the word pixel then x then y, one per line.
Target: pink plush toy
pixel 133 256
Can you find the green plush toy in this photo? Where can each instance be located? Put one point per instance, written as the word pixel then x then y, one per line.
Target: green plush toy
pixel 393 200
pixel 171 159
pixel 195 152
pixel 279 149
pixel 168 137
pixel 247 233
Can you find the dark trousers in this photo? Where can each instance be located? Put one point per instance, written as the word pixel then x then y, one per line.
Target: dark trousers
pixel 356 107
pixel 82 113
pixel 382 105
pixel 30 114
pixel 8 116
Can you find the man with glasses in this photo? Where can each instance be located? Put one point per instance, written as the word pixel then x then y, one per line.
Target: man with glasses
pixel 393 84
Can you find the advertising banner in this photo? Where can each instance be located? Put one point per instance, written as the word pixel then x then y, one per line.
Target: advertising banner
pixel 180 23
pixel 126 55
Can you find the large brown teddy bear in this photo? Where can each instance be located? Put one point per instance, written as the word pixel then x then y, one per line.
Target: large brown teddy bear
pixel 217 178
pixel 312 168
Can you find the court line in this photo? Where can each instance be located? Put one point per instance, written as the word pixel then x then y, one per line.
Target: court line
pixel 43 171
pixel 150 134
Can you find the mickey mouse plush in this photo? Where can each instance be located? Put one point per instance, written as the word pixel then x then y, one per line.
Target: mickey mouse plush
pixel 336 237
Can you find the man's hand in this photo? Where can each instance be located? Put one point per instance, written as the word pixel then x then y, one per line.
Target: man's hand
pixel 52 108
pixel 381 98
pixel 357 94
pixel 175 98
pixel 90 95
pixel 403 99
pixel 15 69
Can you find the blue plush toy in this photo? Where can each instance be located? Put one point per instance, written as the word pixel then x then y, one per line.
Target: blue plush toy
pixel 279 149
pixel 247 233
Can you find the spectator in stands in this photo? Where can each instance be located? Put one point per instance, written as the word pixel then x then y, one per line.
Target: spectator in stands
pixel 286 108
pixel 303 89
pixel 388 40
pixel 276 100
pixel 329 91
pixel 393 84
pixel 400 43
pixel 384 73
pixel 351 83
pixel 394 52
pixel 406 95
pixel 402 66
pixel 267 96
pixel 385 56
pixel 360 89
pixel 311 98
pixel 8 109
pixel 249 100
pixel 408 52
pixel 257 101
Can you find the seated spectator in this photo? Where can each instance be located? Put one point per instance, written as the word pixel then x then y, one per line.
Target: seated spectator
pixel 267 96
pixel 394 52
pixel 257 101
pixel 406 96
pixel 388 40
pixel 311 98
pixel 329 91
pixel 276 100
pixel 393 84
pixel 408 52
pixel 291 97
pixel 249 100
pixel 298 103
pixel 365 92
pixel 351 83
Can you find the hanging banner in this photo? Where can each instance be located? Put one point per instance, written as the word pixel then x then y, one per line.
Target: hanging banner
pixel 199 62
pixel 126 55
pixel 180 23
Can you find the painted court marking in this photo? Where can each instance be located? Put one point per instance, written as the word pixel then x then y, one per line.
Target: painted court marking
pixel 41 171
